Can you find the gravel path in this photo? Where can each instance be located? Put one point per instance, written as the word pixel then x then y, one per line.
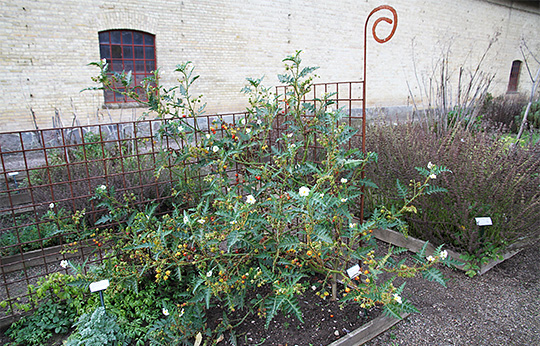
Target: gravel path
pixel 501 307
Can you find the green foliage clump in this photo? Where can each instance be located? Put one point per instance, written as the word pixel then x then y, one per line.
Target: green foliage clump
pixel 97 328
pixel 36 329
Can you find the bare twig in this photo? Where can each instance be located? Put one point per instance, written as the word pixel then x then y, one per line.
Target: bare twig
pixel 533 88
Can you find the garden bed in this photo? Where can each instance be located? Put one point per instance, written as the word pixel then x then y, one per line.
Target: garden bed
pixel 326 322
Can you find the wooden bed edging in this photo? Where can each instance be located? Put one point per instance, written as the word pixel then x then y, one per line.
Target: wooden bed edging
pixel 368 331
pixel 415 245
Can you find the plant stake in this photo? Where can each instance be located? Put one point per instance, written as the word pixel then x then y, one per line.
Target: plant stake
pixel 99 286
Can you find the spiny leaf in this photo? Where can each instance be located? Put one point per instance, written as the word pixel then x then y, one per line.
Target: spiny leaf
pixel 423 171
pixel 323 235
pixel 392 310
pixel 433 274
pixel 430 189
pixel 403 191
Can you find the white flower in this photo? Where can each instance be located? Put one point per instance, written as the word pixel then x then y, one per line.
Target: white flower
pixel 250 199
pixel 430 258
pixel 165 311
pixel 433 176
pixel 430 165
pixel 243 121
pixel 321 195
pixel 314 287
pixel 352 225
pixel 304 191
pixel 397 298
pixel 215 148
pixel 343 200
pixel 180 129
pixel 233 222
pixel 292 146
pixel 104 61
pixel 103 187
pixel 209 274
pixel 248 130
pixel 201 221
pixel 181 313
pixel 186 219
pixel 443 254
pixel 208 136
pixel 51 206
pixel 64 263
pixel 259 121
pixel 344 180
pixel 289 135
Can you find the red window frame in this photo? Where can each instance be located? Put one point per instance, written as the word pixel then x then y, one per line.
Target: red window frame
pixel 128 50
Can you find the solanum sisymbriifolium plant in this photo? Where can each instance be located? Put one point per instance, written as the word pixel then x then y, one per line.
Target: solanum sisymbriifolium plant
pixel 272 212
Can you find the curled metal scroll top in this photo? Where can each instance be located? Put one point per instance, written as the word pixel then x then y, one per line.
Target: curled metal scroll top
pixel 383 19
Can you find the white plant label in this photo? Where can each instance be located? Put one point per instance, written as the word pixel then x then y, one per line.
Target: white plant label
pixel 99 286
pixel 353 271
pixel 483 221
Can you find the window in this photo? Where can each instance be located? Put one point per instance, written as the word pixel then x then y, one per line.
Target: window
pixel 128 50
pixel 514 77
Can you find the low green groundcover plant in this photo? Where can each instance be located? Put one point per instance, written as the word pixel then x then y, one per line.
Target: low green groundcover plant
pixel 97 328
pixel 279 217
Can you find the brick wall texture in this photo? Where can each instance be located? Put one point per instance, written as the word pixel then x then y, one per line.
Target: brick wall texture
pixel 45 48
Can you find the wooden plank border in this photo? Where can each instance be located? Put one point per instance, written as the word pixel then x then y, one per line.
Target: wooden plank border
pixel 368 331
pixel 414 245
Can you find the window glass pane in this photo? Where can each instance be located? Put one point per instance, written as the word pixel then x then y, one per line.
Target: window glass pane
pixel 128 65
pixel 150 65
pixel 140 78
pixel 137 38
pixel 116 52
pixel 109 96
pixel 149 52
pixel 128 52
pixel 148 40
pixel 126 37
pixel 116 66
pixel 115 37
pixel 139 66
pixel 139 52
pixel 104 37
pixel 119 97
pixel 104 51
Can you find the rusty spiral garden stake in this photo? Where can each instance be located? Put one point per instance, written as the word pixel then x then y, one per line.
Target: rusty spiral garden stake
pixel 392 21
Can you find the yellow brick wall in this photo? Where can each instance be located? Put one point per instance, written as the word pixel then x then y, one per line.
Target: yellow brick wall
pixel 46 46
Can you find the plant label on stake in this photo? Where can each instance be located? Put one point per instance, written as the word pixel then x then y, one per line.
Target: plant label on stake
pixel 482 222
pixel 99 286
pixel 14 175
pixel 353 271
